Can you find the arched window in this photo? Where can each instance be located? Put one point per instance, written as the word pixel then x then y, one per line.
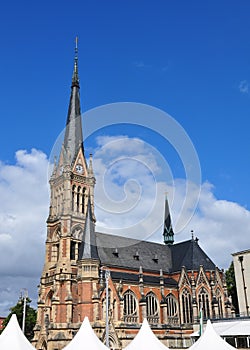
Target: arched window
pixel 62 206
pixel 152 308
pixel 83 199
pixel 186 302
pixel 72 250
pixel 129 307
pixel 78 198
pixel 172 309
pixel 203 298
pixel 55 252
pixel 73 197
pixel 220 302
pixel 57 202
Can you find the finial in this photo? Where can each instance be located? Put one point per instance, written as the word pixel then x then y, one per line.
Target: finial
pixel 75 79
pixel 192 234
pixel 76 49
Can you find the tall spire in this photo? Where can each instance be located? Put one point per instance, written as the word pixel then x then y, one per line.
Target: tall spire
pixel 168 233
pixel 73 138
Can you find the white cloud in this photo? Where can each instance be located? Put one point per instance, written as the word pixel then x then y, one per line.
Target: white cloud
pixel 23 210
pixel 244 87
pixel 141 64
pixel 129 195
pixel 223 227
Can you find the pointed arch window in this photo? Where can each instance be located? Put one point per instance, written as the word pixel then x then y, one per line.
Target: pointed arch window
pixel 172 309
pixel 152 308
pixel 73 245
pixel 129 307
pixel 220 302
pixel 204 303
pixel 83 199
pixel 78 199
pixel 73 197
pixel 186 302
pixel 57 201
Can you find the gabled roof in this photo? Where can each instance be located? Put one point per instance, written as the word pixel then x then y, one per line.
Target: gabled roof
pixel 130 253
pixel 190 255
pixel 133 254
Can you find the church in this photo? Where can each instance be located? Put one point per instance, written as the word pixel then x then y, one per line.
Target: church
pixel 115 281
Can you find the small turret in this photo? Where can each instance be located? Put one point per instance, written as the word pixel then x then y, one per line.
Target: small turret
pixel 91 171
pixel 168 233
pixel 88 246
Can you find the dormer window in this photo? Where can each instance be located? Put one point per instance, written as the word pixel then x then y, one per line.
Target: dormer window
pixel 115 252
pixel 136 255
pixel 155 258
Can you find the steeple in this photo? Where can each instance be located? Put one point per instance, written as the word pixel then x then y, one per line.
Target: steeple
pixel 168 233
pixel 73 138
pixel 88 246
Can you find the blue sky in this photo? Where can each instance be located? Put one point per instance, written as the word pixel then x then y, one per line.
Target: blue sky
pixel 190 59
pixel 187 58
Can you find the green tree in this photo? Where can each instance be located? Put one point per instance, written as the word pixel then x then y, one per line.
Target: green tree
pixel 231 286
pixel 30 317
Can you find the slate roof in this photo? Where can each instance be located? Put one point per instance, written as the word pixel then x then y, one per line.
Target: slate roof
pixel 133 277
pixel 132 254
pixel 190 255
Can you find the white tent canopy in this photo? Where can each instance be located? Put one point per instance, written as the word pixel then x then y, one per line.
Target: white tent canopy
pixel 85 338
pixel 233 328
pixel 230 328
pixel 210 340
pixel 13 338
pixel 145 339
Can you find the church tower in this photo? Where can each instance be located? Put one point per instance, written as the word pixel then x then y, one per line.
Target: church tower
pixel 71 259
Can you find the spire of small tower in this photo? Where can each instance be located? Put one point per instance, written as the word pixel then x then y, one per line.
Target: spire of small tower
pixel 73 138
pixel 88 246
pixel 168 233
